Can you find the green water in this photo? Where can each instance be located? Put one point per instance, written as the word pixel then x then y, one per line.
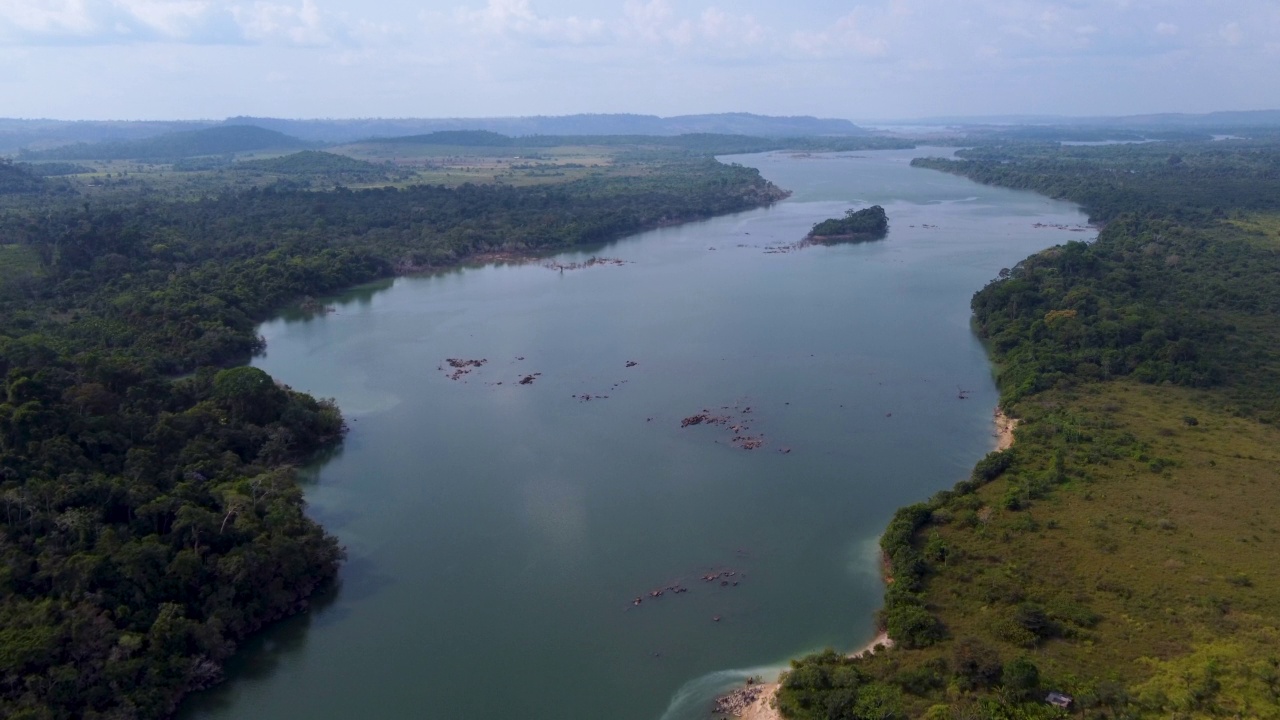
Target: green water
pixel 498 533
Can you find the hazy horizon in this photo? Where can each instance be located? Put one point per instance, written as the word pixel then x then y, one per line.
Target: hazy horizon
pixel 940 120
pixel 873 61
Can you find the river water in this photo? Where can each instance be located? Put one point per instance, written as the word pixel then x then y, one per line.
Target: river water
pixel 500 532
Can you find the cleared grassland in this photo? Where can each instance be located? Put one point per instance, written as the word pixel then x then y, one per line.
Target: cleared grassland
pixel 1142 523
pixel 17 262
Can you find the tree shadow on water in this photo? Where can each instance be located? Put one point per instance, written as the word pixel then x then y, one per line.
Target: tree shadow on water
pixel 263 654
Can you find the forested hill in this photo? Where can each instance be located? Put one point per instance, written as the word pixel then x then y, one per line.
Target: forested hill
pixel 148 525
pixel 1120 553
pixel 457 138
pixel 567 125
pixel 314 163
pixel 188 143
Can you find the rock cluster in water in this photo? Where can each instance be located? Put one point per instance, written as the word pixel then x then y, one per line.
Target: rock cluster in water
pixel 738 426
pixel 462 367
pixel 1059 226
pixel 734 418
pixel 590 262
pixel 726 578
pixel 737 702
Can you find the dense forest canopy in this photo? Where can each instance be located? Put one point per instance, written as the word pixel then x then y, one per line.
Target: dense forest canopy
pixel 149 523
pixel 16 178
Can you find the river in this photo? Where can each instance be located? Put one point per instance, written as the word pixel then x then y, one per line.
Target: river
pixel 499 533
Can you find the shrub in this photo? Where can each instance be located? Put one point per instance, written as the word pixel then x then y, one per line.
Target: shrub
pixel 912 626
pixel 1021 679
pixel 976 664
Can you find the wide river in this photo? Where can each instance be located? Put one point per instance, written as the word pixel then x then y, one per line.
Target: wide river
pixel 499 533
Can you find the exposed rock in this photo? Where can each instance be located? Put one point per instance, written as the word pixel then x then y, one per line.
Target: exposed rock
pixel 737 702
pixel 462 367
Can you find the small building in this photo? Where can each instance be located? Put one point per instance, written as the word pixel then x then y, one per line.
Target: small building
pixel 1060 700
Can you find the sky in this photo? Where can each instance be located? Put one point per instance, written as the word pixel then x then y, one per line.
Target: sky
pixel 860 60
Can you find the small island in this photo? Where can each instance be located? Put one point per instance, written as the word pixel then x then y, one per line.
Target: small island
pixel 856 226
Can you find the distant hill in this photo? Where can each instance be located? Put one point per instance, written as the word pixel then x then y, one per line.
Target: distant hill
pixel 171 146
pixel 1244 118
pixel 458 138
pixel 1156 121
pixel 605 124
pixel 40 136
pixel 698 143
pixel 46 134
pixel 314 163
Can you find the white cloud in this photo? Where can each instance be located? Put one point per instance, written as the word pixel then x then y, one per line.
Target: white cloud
pixel 1231 33
pixel 174 19
pixel 46 18
pixel 640 25
pixel 518 18
pixel 302 24
pixel 553 56
pixel 850 35
pixel 719 26
pixel 647 20
pixel 107 22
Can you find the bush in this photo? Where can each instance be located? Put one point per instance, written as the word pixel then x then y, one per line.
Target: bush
pixel 912 626
pixel 993 465
pixel 976 664
pixel 1021 679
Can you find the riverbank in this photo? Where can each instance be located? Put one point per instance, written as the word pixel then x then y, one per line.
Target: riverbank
pixel 1005 426
pixel 758 701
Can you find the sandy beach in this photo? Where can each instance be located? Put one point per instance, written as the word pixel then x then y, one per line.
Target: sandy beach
pixel 1004 429
pixel 763 707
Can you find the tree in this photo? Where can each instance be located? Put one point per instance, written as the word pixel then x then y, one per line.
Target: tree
pixel 977 665
pixel 250 394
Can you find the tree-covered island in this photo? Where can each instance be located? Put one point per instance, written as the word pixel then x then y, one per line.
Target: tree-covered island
pixel 856 226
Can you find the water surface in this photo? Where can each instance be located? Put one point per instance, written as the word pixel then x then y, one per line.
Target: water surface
pixel 498 533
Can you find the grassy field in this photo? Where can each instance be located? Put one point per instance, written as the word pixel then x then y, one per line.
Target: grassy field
pixel 16 263
pixel 413 165
pixel 1129 553
pixel 1264 226
pixel 452 166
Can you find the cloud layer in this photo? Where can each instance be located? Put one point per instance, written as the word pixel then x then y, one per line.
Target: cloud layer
pixel 467 57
